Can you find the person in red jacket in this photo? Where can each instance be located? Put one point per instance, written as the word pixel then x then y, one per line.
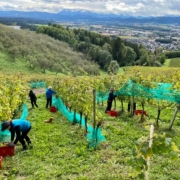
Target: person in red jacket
pixel 20 128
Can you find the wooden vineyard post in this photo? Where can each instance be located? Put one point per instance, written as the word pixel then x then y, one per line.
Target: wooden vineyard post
pixel 150 145
pixel 80 122
pixel 132 100
pixel 94 135
pixel 86 124
pixel 74 118
pixel 94 109
pixel 174 116
pixel 132 103
pixel 114 104
pixel 102 102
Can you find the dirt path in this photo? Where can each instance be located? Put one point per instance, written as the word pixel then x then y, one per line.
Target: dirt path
pixel 39 91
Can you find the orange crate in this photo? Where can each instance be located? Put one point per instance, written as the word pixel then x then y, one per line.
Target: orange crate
pixel 1 162
pixel 7 151
pixel 112 113
pixel 136 112
pixel 53 109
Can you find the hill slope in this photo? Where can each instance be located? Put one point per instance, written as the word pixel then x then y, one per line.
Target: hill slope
pixel 34 52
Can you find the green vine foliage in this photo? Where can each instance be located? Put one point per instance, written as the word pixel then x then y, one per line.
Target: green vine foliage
pixel 142 152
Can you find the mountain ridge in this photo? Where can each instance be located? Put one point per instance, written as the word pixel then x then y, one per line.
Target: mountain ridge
pixel 88 16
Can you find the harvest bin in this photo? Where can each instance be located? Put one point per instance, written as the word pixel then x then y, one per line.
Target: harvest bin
pixel 7 151
pixel 53 109
pixel 136 112
pixel 112 113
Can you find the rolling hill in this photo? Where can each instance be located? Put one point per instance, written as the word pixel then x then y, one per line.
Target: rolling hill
pixel 24 50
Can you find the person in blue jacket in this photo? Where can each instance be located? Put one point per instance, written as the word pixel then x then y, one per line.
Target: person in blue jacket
pixel 49 94
pixel 111 97
pixel 20 128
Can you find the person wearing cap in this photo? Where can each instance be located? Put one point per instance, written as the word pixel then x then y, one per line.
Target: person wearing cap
pixel 49 93
pixel 20 128
pixel 111 97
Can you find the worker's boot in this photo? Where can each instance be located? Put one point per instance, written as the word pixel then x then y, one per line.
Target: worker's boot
pixel 30 145
pixel 24 147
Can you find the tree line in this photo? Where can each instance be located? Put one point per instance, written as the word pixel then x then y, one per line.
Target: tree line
pixel 173 54
pixel 108 52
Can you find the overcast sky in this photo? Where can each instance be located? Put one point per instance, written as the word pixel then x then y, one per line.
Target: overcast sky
pixel 126 7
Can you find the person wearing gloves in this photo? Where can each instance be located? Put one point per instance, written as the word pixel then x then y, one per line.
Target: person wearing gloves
pixel 111 97
pixel 49 94
pixel 20 128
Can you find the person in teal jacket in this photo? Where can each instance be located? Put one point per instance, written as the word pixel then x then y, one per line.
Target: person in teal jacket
pixel 20 128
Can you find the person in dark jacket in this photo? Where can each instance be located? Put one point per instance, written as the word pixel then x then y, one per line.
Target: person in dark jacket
pixel 49 94
pixel 20 128
pixel 33 99
pixel 111 97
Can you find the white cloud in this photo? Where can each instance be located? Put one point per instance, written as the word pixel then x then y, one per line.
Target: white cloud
pixel 122 7
pixel 130 7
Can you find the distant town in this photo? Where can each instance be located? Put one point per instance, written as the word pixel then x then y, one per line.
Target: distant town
pixel 165 37
pixel 150 39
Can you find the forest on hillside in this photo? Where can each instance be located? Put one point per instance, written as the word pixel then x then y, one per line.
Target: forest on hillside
pixel 40 50
pixel 75 51
pixel 109 52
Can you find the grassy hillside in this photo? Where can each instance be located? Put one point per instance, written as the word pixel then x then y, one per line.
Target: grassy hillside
pixel 29 51
pixel 20 65
pixel 166 64
pixel 174 62
pixel 60 149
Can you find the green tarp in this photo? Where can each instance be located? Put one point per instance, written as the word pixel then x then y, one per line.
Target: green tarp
pixel 94 136
pixel 161 91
